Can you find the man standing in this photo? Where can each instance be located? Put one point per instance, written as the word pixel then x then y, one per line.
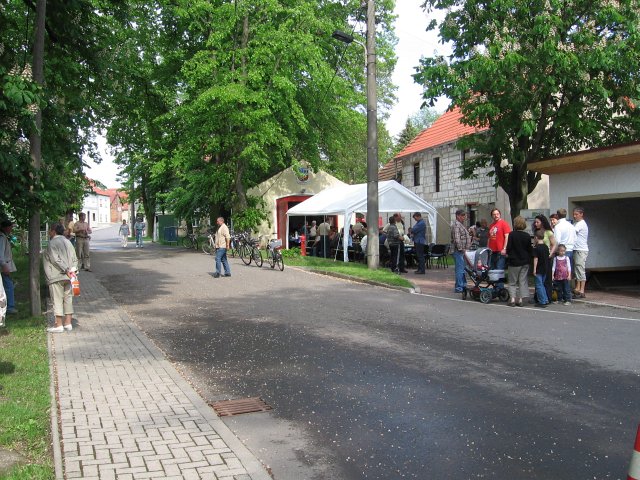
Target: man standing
pixel 139 228
pixel 564 233
pixel 580 251
pixel 499 232
pixel 323 231
pixel 69 233
pixel 400 226
pixel 7 265
pixel 82 231
pixel 419 234
pixel 461 241
pixel 222 242
pixel 393 238
pixel 59 266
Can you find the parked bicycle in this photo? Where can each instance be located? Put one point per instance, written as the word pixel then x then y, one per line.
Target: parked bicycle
pixel 209 246
pixel 274 256
pixel 190 240
pixel 247 248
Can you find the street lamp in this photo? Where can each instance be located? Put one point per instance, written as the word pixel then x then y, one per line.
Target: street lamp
pixel 373 247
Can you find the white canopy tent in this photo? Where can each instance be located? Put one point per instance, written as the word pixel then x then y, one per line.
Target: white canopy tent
pixel 348 199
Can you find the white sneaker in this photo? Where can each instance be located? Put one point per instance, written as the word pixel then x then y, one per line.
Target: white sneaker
pixel 68 327
pixel 567 303
pixel 59 329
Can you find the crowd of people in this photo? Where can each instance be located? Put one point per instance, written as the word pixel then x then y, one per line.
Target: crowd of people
pixel 557 254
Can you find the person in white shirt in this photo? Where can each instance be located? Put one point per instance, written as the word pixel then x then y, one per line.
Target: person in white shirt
pixel 564 233
pixel 580 251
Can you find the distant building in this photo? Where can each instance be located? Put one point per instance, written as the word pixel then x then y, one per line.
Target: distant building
pixel 118 206
pixel 431 165
pixel 105 206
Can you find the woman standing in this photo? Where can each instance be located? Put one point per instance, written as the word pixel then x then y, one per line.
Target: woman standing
pixel 60 264
pixel 541 223
pixel 519 253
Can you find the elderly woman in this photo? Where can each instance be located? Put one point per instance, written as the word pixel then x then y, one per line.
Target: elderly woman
pixel 519 253
pixel 60 264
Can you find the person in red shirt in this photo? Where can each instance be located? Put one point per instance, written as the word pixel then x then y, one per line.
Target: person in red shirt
pixel 499 232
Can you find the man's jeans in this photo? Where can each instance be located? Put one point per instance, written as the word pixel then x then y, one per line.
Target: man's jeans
pixel 461 281
pixel 221 258
pixel 139 238
pixel 420 254
pixel 7 283
pixel 541 291
pixel 497 262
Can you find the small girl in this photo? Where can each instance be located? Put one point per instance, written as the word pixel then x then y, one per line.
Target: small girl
pixel 561 272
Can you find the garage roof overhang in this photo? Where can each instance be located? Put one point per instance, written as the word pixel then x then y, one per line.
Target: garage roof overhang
pixel 589 159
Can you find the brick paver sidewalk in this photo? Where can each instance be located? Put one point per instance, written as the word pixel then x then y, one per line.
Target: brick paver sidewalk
pixel 125 412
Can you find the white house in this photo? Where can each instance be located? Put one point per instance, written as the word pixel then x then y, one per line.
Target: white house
pixel 430 166
pixel 606 183
pixel 97 206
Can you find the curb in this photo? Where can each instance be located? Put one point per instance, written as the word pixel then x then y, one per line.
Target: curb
pixel 55 424
pixel 343 276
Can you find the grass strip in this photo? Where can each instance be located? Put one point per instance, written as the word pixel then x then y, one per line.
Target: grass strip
pixel 352 269
pixel 24 379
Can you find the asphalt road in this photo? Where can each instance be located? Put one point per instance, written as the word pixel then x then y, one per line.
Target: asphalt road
pixel 368 382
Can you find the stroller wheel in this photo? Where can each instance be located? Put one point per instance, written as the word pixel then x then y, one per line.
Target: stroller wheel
pixel 485 296
pixel 504 295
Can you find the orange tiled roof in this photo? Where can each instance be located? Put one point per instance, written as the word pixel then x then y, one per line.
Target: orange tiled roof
pixel 388 172
pixel 445 129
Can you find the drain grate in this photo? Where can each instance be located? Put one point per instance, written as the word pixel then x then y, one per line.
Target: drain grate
pixel 228 408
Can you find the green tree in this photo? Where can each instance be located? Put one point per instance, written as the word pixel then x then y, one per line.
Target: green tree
pixel 546 77
pixel 211 98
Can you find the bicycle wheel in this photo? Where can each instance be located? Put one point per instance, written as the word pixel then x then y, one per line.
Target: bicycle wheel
pixel 187 242
pixel 207 248
pixel 257 256
pixel 280 261
pixel 271 258
pixel 244 252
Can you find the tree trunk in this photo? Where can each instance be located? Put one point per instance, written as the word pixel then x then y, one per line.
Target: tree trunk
pixel 519 190
pixel 36 159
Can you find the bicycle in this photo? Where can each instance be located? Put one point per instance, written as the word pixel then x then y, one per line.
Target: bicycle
pixel 274 256
pixel 209 246
pixel 247 248
pixel 190 240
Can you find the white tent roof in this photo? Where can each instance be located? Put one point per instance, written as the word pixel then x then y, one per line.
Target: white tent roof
pixel 349 199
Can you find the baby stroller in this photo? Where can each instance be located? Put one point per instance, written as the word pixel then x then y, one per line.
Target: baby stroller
pixel 484 280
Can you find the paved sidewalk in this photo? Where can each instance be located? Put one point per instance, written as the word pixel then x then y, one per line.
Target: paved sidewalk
pixel 125 412
pixel 440 281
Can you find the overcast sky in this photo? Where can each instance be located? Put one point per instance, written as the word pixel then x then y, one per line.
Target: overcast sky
pixel 414 42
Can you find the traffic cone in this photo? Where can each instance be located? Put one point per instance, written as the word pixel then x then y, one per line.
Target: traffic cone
pixel 634 468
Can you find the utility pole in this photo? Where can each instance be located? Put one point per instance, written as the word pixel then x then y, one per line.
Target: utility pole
pixel 35 151
pixel 373 246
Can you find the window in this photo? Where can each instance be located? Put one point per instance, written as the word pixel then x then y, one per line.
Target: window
pixel 464 154
pixel 416 174
pixel 436 172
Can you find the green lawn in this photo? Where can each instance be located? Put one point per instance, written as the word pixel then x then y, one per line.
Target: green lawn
pixel 24 386
pixel 357 270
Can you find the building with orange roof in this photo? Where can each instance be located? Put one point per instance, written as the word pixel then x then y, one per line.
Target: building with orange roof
pixel 431 166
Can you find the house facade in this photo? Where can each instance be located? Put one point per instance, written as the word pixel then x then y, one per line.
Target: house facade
pixel 606 183
pixel 431 167
pixel 285 190
pixel 118 206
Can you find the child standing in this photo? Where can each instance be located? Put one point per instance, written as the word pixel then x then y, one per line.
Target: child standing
pixel 540 268
pixel 562 274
